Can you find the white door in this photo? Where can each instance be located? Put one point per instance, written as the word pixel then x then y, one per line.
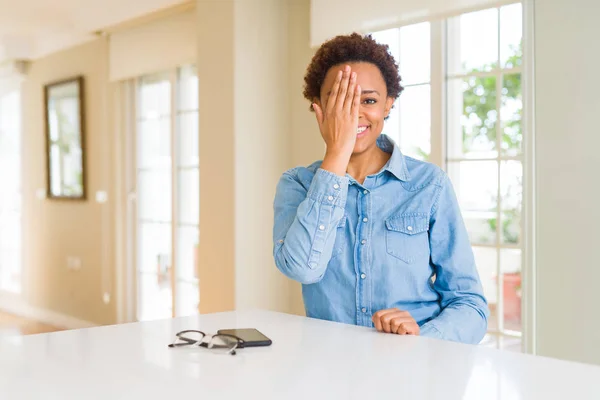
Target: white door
pixel 167 178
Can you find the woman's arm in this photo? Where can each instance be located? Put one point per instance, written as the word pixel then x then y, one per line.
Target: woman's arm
pixel 464 308
pixel 306 223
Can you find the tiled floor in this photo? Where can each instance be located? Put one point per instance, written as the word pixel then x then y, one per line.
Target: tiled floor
pixel 13 325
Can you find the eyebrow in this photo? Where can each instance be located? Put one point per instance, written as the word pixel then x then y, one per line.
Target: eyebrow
pixel 366 91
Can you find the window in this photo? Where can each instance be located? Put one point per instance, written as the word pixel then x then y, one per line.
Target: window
pixel 481 85
pixel 409 121
pixel 167 194
pixel 10 189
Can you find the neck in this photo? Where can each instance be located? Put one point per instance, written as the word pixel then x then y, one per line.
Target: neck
pixel 367 163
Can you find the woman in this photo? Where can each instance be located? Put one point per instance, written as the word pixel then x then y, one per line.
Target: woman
pixel 375 237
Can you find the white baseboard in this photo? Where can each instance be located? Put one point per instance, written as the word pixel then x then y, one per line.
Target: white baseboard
pixel 15 305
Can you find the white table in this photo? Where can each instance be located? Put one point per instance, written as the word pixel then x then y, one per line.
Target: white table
pixel 309 359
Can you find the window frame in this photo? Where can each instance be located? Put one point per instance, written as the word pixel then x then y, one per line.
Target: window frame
pixel 173 76
pixel 439 154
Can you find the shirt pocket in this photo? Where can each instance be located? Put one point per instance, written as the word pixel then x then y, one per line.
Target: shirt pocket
pixel 406 236
pixel 341 240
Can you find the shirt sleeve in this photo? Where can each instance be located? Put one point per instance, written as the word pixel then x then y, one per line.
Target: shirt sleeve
pixel 464 308
pixel 305 223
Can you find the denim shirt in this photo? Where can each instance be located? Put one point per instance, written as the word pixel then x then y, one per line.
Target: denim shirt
pixel 397 240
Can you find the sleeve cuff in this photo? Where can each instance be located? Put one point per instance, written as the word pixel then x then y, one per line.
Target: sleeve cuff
pixel 329 188
pixel 429 330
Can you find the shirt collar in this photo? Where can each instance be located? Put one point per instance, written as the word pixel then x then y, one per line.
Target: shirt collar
pixel 397 163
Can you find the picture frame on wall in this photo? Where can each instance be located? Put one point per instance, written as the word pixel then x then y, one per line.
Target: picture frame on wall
pixel 65 139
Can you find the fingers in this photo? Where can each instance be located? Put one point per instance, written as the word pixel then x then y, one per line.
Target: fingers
pixel 378 318
pixel 318 113
pixel 404 326
pixel 331 101
pixel 398 316
pixel 356 102
pixel 349 99
pixel 341 97
pixel 395 321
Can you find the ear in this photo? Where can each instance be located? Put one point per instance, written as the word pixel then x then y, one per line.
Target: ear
pixel 389 103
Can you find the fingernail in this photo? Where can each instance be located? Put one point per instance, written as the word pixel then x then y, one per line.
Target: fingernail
pixel 347 68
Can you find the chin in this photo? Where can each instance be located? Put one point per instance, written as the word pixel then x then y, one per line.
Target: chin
pixel 364 144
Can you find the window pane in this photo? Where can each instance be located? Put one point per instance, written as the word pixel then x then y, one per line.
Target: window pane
pixel 154 200
pixel 189 196
pixel 415 54
pixel 486 260
pixel 391 125
pixel 415 121
pixel 473 42
pixel 187 298
pixel 511 114
pixel 187 253
pixel 472 117
pixel 154 247
pixel 510 264
pixel 154 195
pixel 188 139
pixel 511 33
pixel 391 37
pixel 476 186
pixel 10 245
pixel 154 143
pixel 511 188
pixel 188 88
pixel 155 299
pixel 154 96
pixel 10 192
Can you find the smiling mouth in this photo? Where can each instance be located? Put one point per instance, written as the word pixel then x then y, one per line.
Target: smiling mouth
pixel 362 130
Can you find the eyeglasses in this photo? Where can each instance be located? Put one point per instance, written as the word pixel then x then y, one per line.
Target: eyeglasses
pixel 220 342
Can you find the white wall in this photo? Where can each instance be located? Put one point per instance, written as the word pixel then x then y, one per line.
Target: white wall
pixel 217 156
pixel 262 148
pixel 335 17
pixel 567 95
pixel 54 230
pixel 245 145
pixel 306 142
pixel 154 46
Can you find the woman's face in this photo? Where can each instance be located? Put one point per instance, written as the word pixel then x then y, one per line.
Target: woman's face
pixel 375 104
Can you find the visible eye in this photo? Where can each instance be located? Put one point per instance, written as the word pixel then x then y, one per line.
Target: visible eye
pixel 369 101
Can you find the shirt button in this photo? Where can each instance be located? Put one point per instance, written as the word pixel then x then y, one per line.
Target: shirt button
pixel 409 228
pixel 364 310
pixel 363 241
pixel 366 191
pixel 365 219
pixel 336 186
pixel 363 276
pixel 322 227
pixel 330 198
pixel 313 265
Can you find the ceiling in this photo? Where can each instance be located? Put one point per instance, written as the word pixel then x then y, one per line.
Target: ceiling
pixel 30 29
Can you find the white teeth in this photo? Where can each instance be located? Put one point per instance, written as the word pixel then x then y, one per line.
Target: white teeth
pixel 361 129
